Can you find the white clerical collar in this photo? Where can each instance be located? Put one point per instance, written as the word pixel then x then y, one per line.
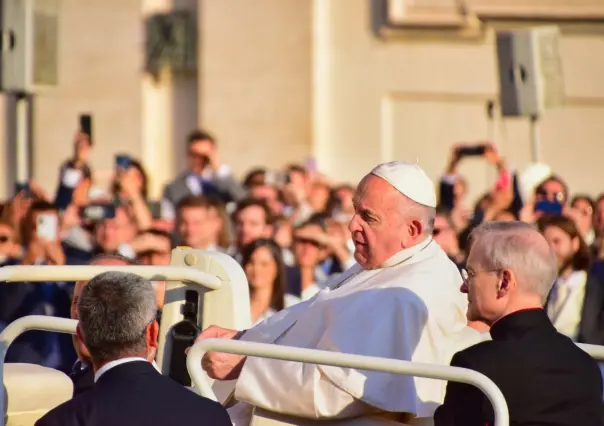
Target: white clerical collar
pixel 117 362
pixel 406 254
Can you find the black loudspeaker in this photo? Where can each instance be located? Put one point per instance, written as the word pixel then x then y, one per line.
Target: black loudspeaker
pixel 183 336
pixel 530 71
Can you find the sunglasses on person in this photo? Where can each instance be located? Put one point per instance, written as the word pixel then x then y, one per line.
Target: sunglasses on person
pixel 306 241
pixel 558 196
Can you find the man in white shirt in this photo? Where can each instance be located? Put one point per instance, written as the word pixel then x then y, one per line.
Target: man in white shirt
pixel 117 324
pixel 400 301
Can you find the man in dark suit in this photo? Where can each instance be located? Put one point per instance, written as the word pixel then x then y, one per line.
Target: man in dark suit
pixel 117 325
pixel 82 374
pixel 205 176
pixel 545 378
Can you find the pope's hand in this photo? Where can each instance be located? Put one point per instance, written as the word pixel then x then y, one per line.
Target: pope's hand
pixel 218 365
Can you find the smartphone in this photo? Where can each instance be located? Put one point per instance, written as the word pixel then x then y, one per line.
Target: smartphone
pixel 86 125
pixel 71 177
pixel 155 209
pixel 471 151
pixel 47 226
pixel 23 187
pixel 548 207
pixel 97 212
pixel 122 161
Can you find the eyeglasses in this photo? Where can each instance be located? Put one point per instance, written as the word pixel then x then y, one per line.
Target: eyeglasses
pixel 466 275
pixel 306 241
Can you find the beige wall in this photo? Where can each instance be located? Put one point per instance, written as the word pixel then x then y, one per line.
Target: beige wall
pixel 255 79
pixel 279 80
pixel 411 98
pixel 100 59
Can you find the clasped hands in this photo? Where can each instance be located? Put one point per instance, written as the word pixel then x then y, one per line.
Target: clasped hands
pixel 218 365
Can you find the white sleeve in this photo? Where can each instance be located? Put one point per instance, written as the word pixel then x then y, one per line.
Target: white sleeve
pixel 311 391
pixel 268 384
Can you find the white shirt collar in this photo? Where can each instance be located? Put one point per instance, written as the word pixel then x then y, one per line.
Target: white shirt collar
pixel 117 362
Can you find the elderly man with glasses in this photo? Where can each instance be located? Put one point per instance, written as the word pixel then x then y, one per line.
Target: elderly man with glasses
pixel 544 376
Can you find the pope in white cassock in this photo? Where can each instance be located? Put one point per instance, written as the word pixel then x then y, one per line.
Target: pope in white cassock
pixel 401 300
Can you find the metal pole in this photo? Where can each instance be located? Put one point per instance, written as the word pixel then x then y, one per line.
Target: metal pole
pixel 535 139
pixel 22 139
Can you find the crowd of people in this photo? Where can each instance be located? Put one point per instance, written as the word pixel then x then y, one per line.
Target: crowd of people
pixel 295 233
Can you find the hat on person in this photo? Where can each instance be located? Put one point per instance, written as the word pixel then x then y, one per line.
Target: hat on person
pixel 409 179
pixel 532 177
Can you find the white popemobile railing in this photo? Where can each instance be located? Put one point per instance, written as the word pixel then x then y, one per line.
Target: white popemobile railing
pixel 85 273
pixel 338 359
pixel 218 278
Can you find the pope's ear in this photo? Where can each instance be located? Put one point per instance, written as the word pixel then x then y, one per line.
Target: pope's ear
pixel 416 228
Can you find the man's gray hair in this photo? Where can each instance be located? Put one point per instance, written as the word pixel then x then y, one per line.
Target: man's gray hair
pixel 520 247
pixel 115 309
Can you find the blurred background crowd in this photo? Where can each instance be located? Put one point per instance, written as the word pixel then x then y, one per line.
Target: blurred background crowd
pixel 287 228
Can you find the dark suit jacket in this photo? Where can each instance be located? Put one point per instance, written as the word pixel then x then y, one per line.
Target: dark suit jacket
pixel 82 376
pixel 226 189
pixel 135 394
pixel 545 378
pixel 591 327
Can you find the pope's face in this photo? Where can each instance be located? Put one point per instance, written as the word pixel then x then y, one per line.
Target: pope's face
pixel 376 226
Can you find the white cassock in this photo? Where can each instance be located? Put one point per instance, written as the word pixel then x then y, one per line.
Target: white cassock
pixel 411 308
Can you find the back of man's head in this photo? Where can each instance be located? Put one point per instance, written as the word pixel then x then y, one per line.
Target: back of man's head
pixel 519 247
pixel 100 260
pixel 117 313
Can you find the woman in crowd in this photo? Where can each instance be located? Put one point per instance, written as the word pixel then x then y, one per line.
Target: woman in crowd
pixel 265 272
pixel 576 302
pixel 130 189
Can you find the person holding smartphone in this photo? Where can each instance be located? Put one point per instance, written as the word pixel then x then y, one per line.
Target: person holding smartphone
pixel 205 175
pixel 41 239
pixel 40 235
pixel 74 170
pixel 130 190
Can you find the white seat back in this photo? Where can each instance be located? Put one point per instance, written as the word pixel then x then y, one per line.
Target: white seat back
pixel 30 391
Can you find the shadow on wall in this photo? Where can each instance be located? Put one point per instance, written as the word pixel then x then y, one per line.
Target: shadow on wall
pixel 185 103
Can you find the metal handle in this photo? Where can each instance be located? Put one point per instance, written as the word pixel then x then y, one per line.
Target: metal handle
pixel 87 272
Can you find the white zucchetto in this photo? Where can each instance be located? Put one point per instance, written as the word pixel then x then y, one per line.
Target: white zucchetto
pixel 409 179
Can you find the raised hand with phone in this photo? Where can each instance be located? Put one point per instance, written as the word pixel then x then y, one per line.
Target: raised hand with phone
pixel 43 239
pixel 129 187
